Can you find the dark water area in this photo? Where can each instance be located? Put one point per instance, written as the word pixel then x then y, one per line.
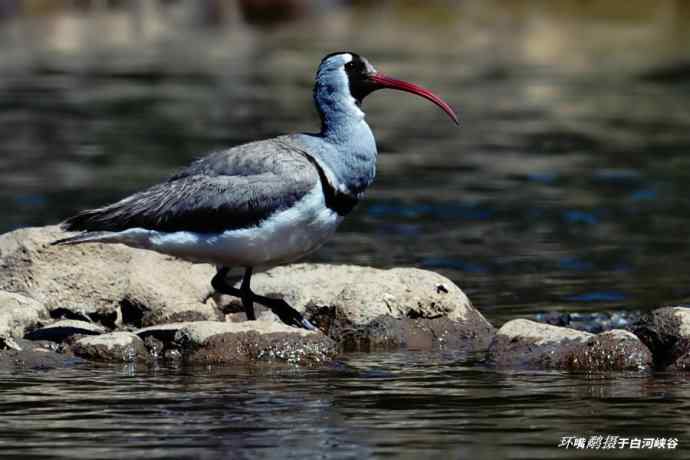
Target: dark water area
pixel 409 405
pixel 565 189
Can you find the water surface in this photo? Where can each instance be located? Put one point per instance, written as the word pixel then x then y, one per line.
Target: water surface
pixel 565 189
pixel 408 405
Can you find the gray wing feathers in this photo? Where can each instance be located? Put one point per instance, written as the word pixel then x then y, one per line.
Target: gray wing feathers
pixel 246 160
pixel 233 189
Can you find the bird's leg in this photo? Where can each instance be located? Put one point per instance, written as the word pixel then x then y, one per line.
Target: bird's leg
pixel 220 283
pixel 247 295
pixel 281 308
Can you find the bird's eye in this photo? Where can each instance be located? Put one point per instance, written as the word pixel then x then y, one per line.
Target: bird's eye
pixel 350 65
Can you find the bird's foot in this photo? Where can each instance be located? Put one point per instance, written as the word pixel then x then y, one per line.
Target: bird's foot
pixel 285 312
pixel 279 307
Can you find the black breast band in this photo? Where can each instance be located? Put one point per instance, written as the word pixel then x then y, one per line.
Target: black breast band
pixel 340 202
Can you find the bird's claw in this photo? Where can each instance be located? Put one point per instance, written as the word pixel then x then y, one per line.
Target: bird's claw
pixel 307 325
pixel 294 318
pixel 285 312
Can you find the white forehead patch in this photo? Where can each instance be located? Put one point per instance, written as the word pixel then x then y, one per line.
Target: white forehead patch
pixel 340 59
pixel 335 62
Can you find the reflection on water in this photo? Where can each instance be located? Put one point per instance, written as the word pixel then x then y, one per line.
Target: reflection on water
pixel 370 405
pixel 565 189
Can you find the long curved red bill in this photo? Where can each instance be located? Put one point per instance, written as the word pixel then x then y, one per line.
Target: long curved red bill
pixel 384 81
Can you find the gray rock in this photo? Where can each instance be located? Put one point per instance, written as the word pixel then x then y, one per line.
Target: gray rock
pixel 163 332
pixel 63 329
pixel 682 363
pixel 169 290
pixel 112 284
pixel 410 308
pixel 155 347
pixel 666 331
pixel 18 313
pixel 362 308
pixel 36 360
pixel 173 355
pixel 304 286
pixel 613 350
pixel 522 343
pixel 365 308
pixel 210 342
pixel 26 354
pixel 160 340
pixel 8 343
pixel 113 347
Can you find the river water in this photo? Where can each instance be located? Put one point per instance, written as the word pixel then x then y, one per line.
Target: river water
pixel 564 189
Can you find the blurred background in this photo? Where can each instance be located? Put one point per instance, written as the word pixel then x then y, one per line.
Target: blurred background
pixel 564 189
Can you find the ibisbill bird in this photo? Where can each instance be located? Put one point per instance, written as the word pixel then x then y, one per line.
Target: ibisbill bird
pixel 263 203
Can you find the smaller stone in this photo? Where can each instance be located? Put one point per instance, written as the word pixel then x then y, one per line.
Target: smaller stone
pixel 163 332
pixel 19 313
pixel 212 342
pixel 525 344
pixel 40 345
pixel 113 347
pixel 154 346
pixel 8 343
pixel 666 332
pixel 614 350
pixel 62 330
pixel 172 354
pixel 35 356
pixel 522 343
pixel 682 363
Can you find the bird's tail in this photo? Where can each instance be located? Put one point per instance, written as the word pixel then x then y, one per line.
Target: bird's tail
pixel 86 237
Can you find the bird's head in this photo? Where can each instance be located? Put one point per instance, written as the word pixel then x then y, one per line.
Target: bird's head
pixel 347 75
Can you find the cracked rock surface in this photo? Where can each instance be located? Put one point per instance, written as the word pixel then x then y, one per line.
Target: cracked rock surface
pixel 209 342
pixel 367 309
pixel 522 343
pixel 124 347
pixel 111 284
pixel 666 331
pixel 114 303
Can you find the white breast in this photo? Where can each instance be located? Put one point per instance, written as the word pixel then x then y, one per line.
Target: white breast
pixel 284 237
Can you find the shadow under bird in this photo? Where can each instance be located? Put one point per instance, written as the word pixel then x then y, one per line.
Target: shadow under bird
pixel 264 203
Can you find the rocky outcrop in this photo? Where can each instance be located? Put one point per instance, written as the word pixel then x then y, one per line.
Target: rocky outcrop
pixel 27 354
pixel 62 330
pixel 366 309
pixel 99 293
pixel 208 342
pixel 111 284
pixel 124 347
pixel 19 313
pixel 613 350
pixel 666 331
pixel 217 342
pixel 162 332
pixel 523 343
